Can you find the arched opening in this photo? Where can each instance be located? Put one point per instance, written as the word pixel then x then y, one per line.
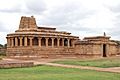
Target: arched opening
pixel 55 42
pixel 49 42
pixel 61 42
pixel 104 50
pixel 35 41
pixel 65 42
pixel 43 42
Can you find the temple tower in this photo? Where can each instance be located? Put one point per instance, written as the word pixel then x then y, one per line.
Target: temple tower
pixel 27 23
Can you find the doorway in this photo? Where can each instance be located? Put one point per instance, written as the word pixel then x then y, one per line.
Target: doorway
pixel 104 50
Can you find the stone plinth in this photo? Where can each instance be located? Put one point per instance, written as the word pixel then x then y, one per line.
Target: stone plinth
pixel 15 64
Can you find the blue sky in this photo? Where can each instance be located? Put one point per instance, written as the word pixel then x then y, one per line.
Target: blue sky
pixel 80 17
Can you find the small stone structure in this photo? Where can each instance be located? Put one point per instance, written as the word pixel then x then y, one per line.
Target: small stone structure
pixel 45 42
pixel 15 64
pixel 96 46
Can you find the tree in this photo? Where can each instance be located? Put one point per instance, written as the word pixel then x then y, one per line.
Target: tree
pixel 1 45
pixel 5 46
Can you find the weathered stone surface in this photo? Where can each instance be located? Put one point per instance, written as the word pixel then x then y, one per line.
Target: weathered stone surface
pixel 9 64
pixel 100 45
pixel 27 23
pixel 44 42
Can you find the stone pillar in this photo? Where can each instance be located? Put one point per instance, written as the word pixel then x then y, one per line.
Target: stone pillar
pixel 107 50
pixel 73 43
pixel 25 41
pixel 68 42
pixel 101 49
pixel 12 42
pixel 63 42
pixel 53 42
pixel 8 42
pixel 21 41
pixel 39 42
pixel 58 42
pixel 30 40
pixel 46 42
pixel 16 41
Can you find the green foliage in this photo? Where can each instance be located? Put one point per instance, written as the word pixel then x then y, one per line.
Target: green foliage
pixel 5 46
pixel 104 63
pixel 55 73
pixel 3 49
pixel 1 45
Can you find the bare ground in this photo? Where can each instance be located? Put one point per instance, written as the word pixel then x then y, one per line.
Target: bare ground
pixel 48 62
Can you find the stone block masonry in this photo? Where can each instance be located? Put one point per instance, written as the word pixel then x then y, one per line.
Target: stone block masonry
pixel 45 42
pixel 14 64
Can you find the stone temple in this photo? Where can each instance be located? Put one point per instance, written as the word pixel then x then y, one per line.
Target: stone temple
pixel 45 42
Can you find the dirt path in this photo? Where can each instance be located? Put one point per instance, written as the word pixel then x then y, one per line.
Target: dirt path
pixel 47 62
pixel 115 70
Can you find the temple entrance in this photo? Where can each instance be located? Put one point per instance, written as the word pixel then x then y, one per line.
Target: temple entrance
pixel 104 50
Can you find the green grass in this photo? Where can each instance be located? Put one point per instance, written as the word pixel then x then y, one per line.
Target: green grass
pixel 104 62
pixel 55 73
pixel 1 57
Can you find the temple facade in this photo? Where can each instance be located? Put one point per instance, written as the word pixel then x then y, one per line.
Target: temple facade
pixel 44 42
pixel 31 40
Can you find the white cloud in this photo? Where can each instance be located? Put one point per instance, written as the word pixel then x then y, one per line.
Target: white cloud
pixel 80 17
pixel 3 37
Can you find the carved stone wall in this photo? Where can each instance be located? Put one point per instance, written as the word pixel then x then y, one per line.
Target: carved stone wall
pixel 88 50
pixel 27 23
pixel 112 50
pixel 33 41
pixel 96 46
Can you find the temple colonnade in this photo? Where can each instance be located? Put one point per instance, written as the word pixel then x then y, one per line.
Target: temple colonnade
pixel 39 41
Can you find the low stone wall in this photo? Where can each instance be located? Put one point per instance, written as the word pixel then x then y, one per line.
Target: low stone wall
pixel 15 64
pixel 3 51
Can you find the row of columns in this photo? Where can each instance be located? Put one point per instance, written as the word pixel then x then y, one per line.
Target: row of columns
pixel 19 41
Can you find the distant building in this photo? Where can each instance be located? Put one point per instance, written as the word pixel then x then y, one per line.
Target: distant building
pixel 45 42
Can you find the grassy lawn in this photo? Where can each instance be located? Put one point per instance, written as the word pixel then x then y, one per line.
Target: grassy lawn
pixel 103 62
pixel 1 57
pixel 55 73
